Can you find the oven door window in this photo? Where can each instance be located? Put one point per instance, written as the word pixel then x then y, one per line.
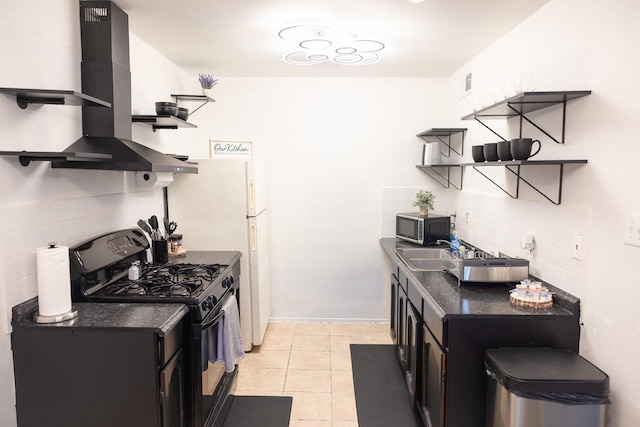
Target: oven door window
pixel 213 371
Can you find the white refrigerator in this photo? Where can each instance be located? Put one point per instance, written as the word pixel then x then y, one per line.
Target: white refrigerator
pixel 223 208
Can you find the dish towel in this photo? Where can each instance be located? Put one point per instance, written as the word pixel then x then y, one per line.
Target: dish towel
pixel 229 336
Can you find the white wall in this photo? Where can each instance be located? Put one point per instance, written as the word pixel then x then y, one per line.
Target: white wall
pixel 330 145
pixel 572 45
pixel 39 204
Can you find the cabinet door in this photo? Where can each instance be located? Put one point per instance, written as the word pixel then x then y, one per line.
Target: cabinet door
pixel 172 392
pixel 432 381
pixel 414 331
pixel 402 321
pixel 394 310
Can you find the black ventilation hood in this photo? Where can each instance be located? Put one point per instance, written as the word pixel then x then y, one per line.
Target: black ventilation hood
pixel 106 75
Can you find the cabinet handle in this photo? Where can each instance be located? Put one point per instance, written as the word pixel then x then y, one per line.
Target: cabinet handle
pixel 254 238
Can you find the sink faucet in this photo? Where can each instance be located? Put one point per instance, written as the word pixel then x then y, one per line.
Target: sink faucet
pixel 444 241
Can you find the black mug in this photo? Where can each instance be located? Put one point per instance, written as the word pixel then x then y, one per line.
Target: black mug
pixel 477 152
pixel 521 148
pixel 504 151
pixel 160 251
pixel 491 151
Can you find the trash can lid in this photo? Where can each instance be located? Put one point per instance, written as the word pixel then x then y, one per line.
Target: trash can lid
pixel 545 370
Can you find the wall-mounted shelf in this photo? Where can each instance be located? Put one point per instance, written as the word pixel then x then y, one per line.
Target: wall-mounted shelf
pixel 441 173
pixel 26 157
pixel 162 122
pixel 514 167
pixel 524 103
pixel 443 135
pixel 198 98
pixel 24 97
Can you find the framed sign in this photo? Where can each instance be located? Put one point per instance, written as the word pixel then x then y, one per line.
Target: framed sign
pixel 230 149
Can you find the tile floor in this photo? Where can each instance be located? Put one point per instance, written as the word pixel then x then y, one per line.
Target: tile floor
pixel 312 363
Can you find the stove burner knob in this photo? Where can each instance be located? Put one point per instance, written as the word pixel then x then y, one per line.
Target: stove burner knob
pixel 227 281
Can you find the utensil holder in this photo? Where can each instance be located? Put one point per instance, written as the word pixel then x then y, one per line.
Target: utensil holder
pixel 160 251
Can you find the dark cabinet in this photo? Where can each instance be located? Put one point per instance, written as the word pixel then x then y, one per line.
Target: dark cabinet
pixel 412 350
pixel 113 365
pixel 431 396
pixel 441 331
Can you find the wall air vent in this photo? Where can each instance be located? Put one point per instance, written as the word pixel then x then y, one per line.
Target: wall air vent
pixel 96 14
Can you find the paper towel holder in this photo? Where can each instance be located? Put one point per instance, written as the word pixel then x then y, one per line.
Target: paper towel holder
pixel 71 314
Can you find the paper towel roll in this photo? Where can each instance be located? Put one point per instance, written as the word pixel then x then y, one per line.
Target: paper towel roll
pixel 54 280
pixel 153 179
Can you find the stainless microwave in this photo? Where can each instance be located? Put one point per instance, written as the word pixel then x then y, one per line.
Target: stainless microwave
pixel 420 230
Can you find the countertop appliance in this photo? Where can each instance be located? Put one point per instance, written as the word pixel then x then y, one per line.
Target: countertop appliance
pixel 203 281
pixel 113 365
pixel 421 230
pixel 224 207
pixel 481 267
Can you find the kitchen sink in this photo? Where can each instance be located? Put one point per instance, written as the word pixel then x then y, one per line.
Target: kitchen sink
pixel 421 259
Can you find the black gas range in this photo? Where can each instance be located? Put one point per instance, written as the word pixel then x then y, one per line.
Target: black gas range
pixel 113 268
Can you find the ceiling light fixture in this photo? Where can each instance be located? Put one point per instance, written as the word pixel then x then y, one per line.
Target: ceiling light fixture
pixel 320 43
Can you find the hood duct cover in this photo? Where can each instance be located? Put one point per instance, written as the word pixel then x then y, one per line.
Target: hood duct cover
pixel 106 75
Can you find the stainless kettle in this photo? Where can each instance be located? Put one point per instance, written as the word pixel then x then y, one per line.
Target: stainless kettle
pixel 431 153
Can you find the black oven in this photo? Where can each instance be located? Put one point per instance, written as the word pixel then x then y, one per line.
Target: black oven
pixel 203 281
pixel 212 384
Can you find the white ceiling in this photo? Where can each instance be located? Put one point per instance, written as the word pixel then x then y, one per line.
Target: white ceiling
pixel 240 37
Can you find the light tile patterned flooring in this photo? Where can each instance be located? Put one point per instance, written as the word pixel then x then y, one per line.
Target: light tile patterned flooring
pixel 310 362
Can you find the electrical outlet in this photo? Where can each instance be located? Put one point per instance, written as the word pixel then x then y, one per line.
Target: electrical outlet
pixel 466 218
pixel 577 250
pixel 632 229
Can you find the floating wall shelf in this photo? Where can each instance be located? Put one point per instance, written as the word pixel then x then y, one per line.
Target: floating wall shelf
pixel 436 171
pixel 198 98
pixel 162 122
pixel 26 157
pixel 512 166
pixel 24 97
pixel 524 103
pixel 443 135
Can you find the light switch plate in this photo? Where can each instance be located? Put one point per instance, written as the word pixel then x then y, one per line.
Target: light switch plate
pixel 632 229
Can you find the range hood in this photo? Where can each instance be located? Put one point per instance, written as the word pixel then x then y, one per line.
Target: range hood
pixel 106 75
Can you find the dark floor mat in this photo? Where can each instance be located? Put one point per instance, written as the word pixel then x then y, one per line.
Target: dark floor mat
pixel 382 398
pixel 259 411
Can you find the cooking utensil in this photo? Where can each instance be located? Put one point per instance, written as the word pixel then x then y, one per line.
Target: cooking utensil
pixel 145 227
pixel 153 222
pixel 169 226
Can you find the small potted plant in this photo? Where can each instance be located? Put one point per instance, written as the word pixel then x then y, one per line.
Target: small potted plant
pixel 424 201
pixel 206 83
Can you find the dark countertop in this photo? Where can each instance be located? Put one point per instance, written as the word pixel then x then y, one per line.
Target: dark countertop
pixel 207 257
pixel 159 318
pixel 474 299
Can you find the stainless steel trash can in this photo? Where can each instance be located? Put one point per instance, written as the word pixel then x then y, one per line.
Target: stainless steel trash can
pixel 542 387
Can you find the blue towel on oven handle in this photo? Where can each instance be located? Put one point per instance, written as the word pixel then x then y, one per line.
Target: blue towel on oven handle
pixel 230 348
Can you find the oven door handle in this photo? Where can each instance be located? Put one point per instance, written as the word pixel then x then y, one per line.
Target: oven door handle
pixel 206 322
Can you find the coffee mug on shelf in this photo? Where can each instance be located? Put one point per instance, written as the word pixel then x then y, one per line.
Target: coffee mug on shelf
pixel 491 151
pixel 477 152
pixel 521 148
pixel 504 151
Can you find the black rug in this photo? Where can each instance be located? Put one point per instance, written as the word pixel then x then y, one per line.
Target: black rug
pixel 259 411
pixel 382 398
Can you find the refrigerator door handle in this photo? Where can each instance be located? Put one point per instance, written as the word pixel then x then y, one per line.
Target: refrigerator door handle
pixel 252 196
pixel 253 238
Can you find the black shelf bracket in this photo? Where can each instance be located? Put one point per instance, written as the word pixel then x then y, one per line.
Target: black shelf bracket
pixel 443 135
pixel 525 103
pixel 202 98
pixel 516 171
pixel 444 180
